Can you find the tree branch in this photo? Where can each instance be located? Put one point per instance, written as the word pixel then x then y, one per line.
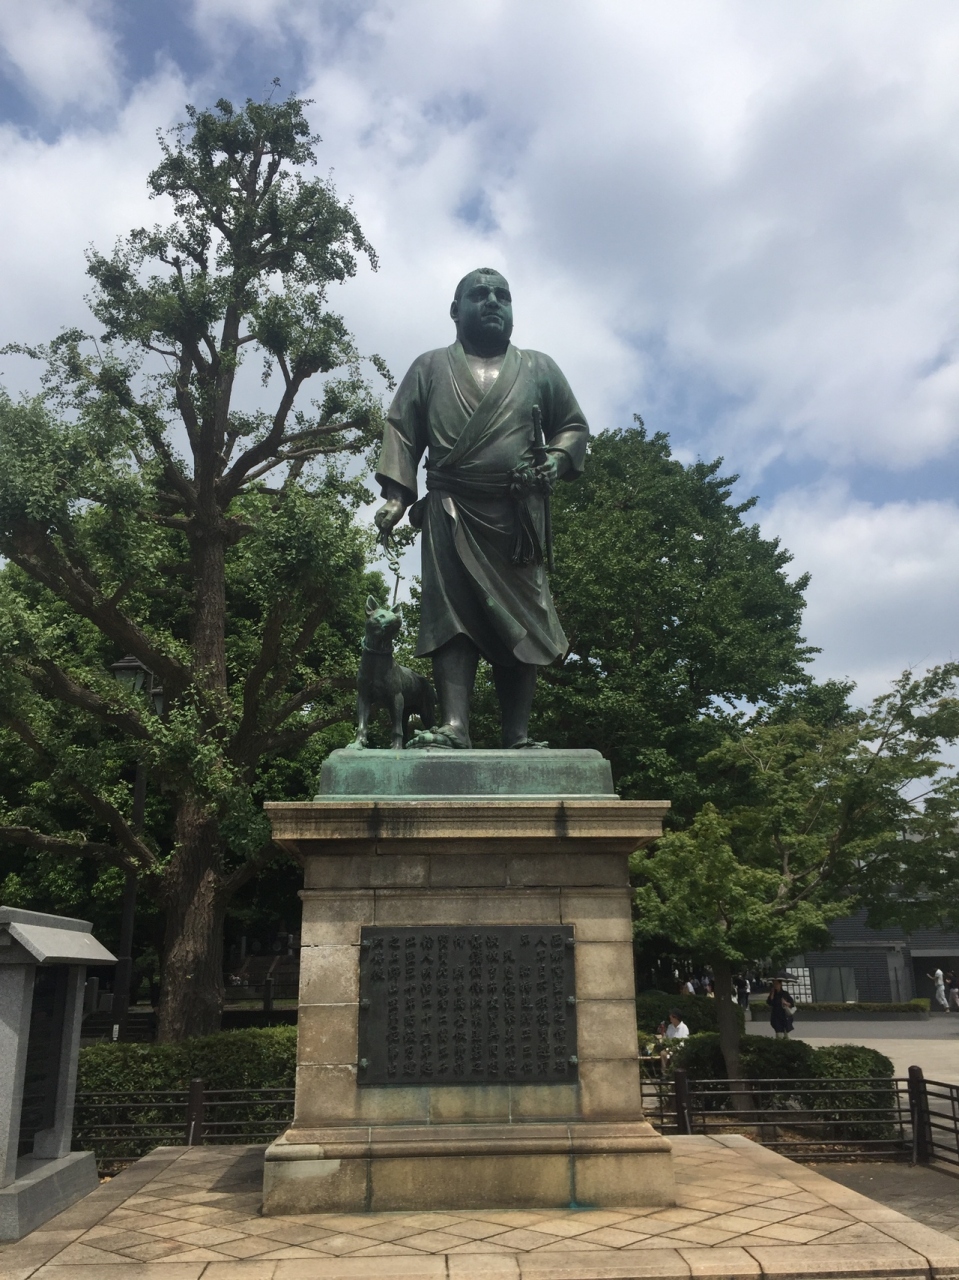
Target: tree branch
pixel 34 551
pixel 291 739
pixel 247 870
pixel 59 844
pixel 139 855
pixel 270 644
pixel 53 681
pixel 266 448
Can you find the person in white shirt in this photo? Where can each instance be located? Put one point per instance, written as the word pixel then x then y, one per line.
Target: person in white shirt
pixel 940 989
pixel 677 1029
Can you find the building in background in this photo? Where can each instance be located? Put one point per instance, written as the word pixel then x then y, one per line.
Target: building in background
pixel 878 965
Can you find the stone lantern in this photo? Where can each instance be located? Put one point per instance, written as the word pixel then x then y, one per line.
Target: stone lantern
pixel 43 963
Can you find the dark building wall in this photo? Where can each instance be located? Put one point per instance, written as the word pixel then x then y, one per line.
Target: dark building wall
pixel 871 969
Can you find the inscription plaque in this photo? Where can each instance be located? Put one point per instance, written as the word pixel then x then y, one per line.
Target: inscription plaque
pixel 467 1005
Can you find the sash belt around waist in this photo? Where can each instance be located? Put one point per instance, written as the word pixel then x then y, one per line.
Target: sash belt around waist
pixel 526 546
pixel 496 484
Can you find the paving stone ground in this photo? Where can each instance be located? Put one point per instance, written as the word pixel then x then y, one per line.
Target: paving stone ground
pixel 194 1214
pixel 928 1195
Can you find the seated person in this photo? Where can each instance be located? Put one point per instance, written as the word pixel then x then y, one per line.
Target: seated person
pixel 677 1029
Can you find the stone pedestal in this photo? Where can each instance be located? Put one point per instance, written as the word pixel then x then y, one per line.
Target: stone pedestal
pixel 43 963
pixel 466 840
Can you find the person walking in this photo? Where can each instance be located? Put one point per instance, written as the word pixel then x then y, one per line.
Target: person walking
pixel 742 991
pixel 781 1006
pixel 952 992
pixel 940 992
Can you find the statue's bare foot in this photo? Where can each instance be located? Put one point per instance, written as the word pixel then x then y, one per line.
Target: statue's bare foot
pixel 358 744
pixel 445 736
pixel 528 744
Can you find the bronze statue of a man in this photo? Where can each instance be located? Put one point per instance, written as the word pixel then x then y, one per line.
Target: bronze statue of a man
pixel 502 426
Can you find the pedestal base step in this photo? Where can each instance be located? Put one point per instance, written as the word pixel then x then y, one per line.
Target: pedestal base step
pixel 44 1188
pixel 529 1166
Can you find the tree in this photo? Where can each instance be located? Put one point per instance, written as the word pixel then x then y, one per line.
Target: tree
pixel 675 608
pixel 816 806
pixel 145 510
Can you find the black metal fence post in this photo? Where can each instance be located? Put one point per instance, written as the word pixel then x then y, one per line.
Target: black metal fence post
pixel 681 1086
pixel 919 1111
pixel 268 996
pixel 194 1115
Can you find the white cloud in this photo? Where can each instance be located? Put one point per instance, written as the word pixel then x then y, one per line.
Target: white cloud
pixel 85 188
pixel 739 219
pixel 884 593
pixel 62 52
pixel 747 212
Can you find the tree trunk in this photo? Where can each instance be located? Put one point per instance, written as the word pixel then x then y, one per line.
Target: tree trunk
pixel 209 611
pixel 191 989
pixel 728 1022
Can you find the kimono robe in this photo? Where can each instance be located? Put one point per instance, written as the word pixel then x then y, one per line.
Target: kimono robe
pixel 470 583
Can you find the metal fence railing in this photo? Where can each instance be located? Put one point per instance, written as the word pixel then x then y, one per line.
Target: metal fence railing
pixel 935 1109
pixel 810 1119
pixel 816 1119
pixel 121 1127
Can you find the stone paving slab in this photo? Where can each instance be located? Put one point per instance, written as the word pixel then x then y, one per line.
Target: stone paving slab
pixel 743 1213
pixel 927 1193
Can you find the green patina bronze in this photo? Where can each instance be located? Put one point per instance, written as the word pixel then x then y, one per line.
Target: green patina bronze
pixel 371 775
pixel 500 426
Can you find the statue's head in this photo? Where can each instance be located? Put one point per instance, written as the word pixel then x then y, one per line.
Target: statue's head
pixel 482 310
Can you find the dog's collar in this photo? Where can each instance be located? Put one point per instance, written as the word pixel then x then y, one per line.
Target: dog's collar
pixel 383 652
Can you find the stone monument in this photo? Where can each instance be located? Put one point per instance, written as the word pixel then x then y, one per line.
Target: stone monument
pixel 43 963
pixel 467 1023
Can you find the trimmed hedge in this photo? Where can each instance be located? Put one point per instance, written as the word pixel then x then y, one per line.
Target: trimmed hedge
pixel 858 1112
pixel 920 1005
pixel 699 1012
pixel 257 1059
pixel 761 1058
pixel 261 1058
pixel 861 1113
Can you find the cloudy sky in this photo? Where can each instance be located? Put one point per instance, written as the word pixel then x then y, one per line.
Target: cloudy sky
pixel 739 218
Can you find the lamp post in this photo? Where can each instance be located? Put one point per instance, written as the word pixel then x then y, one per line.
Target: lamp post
pixel 134 676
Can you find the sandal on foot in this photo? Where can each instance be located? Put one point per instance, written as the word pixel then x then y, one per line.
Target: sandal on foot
pixel 445 737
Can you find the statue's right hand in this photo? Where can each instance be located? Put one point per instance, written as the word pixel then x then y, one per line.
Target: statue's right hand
pixel 389 515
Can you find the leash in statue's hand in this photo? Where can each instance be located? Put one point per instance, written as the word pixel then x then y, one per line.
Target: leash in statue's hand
pixel 392 555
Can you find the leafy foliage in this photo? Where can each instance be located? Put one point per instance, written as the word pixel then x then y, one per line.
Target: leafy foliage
pixel 817 810
pixel 262 1058
pixel 675 608
pixel 762 1058
pixel 145 510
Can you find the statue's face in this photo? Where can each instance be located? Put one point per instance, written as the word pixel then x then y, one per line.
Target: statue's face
pixel 483 314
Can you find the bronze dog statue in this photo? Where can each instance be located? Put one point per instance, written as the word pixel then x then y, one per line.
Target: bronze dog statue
pixel 382 682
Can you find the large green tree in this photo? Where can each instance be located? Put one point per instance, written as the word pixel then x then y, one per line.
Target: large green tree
pixel 816 806
pixel 676 608
pixel 147 508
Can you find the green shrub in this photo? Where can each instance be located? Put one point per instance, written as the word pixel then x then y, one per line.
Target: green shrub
pixel 256 1059
pixel 859 1112
pixel 850 1061
pixel 760 1057
pixel 699 1012
pixel 700 1056
pixel 766 1059
pixel 261 1058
